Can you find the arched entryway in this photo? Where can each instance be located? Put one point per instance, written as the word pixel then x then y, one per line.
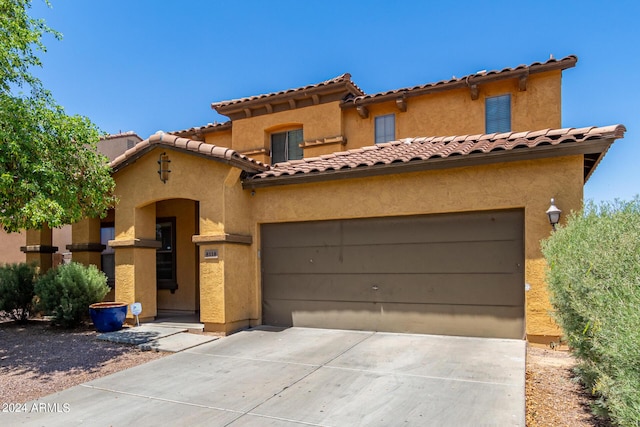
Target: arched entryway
pixel 177 278
pixel 154 257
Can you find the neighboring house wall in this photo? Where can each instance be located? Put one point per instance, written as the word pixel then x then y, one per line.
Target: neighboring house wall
pixel 114 145
pixel 10 244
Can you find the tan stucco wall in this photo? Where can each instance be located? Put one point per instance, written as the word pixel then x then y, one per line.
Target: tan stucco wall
pixel 525 184
pixel 227 286
pixel 191 178
pixel 115 146
pixel 454 112
pixel 10 244
pixel 230 286
pixel 451 112
pixel 10 247
pixel 143 198
pixel 318 121
pixel 86 231
pixel 219 138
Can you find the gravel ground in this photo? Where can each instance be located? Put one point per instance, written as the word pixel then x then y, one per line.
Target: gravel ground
pixel 37 360
pixel 554 397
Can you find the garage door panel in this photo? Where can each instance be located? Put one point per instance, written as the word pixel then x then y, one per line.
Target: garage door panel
pixel 496 289
pixel 459 274
pixel 439 228
pixel 320 314
pixel 461 320
pixel 460 257
pixel 479 321
pixel 302 234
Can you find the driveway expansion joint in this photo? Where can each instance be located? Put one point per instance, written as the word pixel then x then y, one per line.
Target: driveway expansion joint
pixel 317 368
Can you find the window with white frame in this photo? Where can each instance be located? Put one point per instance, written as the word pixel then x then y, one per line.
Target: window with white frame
pixel 286 146
pixel 385 128
pixel 498 114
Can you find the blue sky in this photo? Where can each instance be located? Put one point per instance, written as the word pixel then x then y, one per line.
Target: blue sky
pixel 149 65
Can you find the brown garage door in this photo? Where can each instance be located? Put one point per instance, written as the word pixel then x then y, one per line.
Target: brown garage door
pixel 453 274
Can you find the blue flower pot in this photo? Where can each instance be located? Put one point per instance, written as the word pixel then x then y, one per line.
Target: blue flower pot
pixel 108 316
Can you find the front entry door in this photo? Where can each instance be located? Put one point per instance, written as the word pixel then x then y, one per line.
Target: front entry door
pixel 166 254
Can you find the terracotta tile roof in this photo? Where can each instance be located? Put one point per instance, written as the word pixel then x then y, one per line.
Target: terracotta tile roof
pixel 342 81
pixel 226 155
pixel 209 127
pixel 422 153
pixel 466 81
pixel 121 135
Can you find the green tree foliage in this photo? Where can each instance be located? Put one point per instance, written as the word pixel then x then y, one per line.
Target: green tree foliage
pixel 50 171
pixel 67 291
pixel 594 279
pixel 17 290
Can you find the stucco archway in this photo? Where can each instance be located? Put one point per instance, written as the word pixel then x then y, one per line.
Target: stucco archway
pixel 157 264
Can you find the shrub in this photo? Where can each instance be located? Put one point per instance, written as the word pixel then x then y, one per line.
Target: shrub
pixel 17 290
pixel 594 280
pixel 67 291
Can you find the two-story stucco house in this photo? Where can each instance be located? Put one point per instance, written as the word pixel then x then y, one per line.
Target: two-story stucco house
pixel 414 210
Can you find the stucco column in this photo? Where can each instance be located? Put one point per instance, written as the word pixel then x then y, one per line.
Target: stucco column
pixel 567 191
pixel 135 258
pixel 224 281
pixel 39 248
pixel 85 242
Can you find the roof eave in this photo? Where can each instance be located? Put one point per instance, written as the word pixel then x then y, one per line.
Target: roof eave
pixel 211 128
pixel 238 163
pixel 193 147
pixel 463 82
pixel 476 159
pixel 345 86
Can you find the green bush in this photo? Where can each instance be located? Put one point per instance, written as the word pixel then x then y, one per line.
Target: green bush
pixel 17 290
pixel 594 279
pixel 67 291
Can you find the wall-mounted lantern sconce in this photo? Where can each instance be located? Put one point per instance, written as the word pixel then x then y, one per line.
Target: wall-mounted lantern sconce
pixel 554 214
pixel 163 167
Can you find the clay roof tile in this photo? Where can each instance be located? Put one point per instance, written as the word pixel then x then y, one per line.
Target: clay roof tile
pixel 454 83
pixel 174 142
pixel 423 149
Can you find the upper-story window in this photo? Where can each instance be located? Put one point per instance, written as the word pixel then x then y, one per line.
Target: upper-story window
pixel 286 146
pixel 498 114
pixel 385 128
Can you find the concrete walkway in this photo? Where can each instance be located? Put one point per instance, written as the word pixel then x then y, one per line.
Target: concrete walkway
pixel 151 336
pixel 305 377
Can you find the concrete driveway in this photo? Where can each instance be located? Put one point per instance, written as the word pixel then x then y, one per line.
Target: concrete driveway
pixel 305 377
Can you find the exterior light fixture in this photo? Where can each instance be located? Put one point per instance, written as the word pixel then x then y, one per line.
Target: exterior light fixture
pixel 554 214
pixel 163 167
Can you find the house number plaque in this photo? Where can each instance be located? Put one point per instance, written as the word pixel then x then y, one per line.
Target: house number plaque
pixel 210 254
